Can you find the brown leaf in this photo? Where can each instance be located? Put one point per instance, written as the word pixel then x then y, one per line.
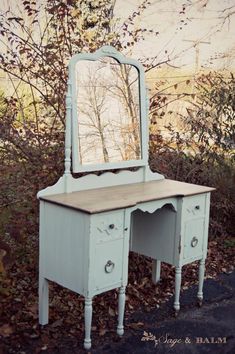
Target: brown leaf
pixel 102 332
pixel 57 323
pixel 111 312
pixel 6 330
pixel 136 325
pixel 4 291
pixel 33 310
pixel 2 255
pixel 144 282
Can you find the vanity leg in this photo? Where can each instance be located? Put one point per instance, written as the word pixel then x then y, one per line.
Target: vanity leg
pixel 201 280
pixel 43 300
pixel 156 271
pixel 177 289
pixel 121 308
pixel 88 318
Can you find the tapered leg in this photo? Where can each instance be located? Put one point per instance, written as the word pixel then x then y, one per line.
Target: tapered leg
pixel 177 289
pixel 156 271
pixel 121 308
pixel 88 318
pixel 43 300
pixel 201 280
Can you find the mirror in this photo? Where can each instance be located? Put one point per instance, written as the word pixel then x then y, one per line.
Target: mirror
pixel 107 95
pixel 108 111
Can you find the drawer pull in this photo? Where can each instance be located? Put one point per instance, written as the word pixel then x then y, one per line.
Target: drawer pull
pixel 197 207
pixel 109 266
pixel 111 226
pixel 194 242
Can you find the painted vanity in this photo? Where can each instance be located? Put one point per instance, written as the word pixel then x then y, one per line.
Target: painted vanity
pixel 89 224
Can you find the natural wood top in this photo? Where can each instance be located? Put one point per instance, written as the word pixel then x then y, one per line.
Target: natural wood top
pixel 118 197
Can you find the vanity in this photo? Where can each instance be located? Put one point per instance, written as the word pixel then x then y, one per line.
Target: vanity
pixel 89 224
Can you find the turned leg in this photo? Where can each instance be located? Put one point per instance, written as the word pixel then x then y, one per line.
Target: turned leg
pixel 177 289
pixel 156 271
pixel 201 280
pixel 121 308
pixel 88 318
pixel 43 300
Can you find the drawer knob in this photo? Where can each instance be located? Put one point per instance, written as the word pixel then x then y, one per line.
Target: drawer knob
pixel 197 207
pixel 109 266
pixel 111 226
pixel 194 242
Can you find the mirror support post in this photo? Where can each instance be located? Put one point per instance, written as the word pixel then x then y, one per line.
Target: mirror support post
pixel 68 142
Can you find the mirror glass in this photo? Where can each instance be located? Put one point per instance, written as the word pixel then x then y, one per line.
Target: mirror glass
pixel 108 111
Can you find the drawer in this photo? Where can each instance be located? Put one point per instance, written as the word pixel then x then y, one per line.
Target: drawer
pixel 194 206
pixel 108 264
pixel 108 226
pixel 193 238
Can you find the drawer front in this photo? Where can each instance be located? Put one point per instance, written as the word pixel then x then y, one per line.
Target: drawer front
pixel 108 264
pixel 194 206
pixel 108 226
pixel 193 238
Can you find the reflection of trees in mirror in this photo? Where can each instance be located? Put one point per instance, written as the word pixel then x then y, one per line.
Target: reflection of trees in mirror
pixel 108 111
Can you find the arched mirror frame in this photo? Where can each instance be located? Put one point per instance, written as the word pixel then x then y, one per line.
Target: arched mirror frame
pixel 106 51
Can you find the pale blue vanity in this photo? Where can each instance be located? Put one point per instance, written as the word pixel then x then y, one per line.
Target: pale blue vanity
pixel 89 224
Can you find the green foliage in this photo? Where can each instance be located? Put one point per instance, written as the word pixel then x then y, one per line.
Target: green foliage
pixel 212 121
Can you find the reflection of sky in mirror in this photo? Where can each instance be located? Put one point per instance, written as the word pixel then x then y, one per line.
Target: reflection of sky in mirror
pixel 108 111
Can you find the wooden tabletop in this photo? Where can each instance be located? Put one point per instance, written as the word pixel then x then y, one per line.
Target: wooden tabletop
pixel 118 197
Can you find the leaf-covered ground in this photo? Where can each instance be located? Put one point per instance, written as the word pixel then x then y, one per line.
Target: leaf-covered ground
pixel 19 329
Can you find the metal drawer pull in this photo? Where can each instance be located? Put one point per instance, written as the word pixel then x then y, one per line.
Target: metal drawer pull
pixel 194 242
pixel 111 226
pixel 109 266
pixel 197 207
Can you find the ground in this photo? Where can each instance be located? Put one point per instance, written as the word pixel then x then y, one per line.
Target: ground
pixel 150 325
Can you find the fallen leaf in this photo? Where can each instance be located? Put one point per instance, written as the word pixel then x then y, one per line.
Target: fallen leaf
pixel 44 347
pixel 111 312
pixel 6 330
pixel 4 291
pixel 102 332
pixel 2 255
pixel 57 323
pixel 136 325
pixel 33 310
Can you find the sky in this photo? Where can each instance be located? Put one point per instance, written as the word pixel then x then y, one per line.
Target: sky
pixel 201 23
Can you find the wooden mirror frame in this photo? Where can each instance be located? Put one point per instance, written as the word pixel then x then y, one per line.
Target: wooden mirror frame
pixel 73 115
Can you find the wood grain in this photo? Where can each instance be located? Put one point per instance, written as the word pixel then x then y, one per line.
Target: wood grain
pixel 118 197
